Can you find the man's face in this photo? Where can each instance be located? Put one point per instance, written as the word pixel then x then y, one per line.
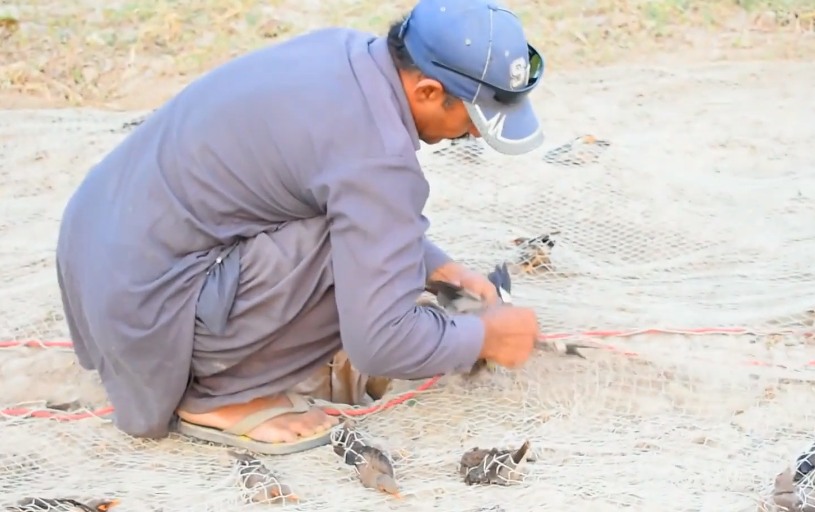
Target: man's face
pixel 437 115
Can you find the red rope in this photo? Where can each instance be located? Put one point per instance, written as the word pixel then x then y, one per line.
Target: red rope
pixel 403 397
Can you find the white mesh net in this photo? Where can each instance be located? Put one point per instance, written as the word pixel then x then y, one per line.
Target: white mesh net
pixel 696 219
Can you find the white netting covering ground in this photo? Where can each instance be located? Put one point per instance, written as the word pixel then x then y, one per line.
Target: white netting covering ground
pixel 700 215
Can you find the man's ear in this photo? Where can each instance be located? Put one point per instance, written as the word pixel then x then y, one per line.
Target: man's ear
pixel 428 90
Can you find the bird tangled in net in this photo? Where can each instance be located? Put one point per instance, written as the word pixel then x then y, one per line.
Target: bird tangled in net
pixel 794 488
pixel 372 465
pixel 534 254
pixel 259 482
pixel 493 466
pixel 454 300
pixel 62 505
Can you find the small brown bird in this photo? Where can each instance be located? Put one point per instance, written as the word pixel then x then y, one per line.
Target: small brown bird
pixel 534 253
pixel 375 471
pixel 493 466
pixel 453 299
pixel 374 468
pixel 263 485
pixel 583 150
pixel 785 495
pixel 456 300
pixel 62 505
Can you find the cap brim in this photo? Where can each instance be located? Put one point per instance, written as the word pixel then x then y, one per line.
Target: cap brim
pixel 511 130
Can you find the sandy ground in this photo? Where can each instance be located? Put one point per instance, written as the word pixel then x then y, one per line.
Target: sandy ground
pixel 700 215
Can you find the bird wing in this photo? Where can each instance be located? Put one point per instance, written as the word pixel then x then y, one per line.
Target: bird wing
pixel 377 461
pixel 47 504
pixel 241 457
pixel 804 464
pixel 347 442
pixel 458 299
pixel 563 346
pixel 503 283
pixel 473 458
pixel 544 240
pixel 585 344
pixel 454 297
pixel 448 290
pixel 784 495
pixel 784 483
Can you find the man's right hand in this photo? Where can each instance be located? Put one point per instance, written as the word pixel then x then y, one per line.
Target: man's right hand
pixel 510 335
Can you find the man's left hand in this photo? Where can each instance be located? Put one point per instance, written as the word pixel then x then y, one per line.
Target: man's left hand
pixel 474 282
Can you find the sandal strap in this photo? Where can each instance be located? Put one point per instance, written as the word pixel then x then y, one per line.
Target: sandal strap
pixel 299 405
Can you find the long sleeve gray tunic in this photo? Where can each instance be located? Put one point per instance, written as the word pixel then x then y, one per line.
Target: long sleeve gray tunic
pixel 316 126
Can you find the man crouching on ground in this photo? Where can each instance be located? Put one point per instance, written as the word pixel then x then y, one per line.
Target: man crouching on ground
pixel 270 215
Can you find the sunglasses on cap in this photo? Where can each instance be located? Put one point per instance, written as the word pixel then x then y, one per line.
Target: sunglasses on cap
pixel 501 95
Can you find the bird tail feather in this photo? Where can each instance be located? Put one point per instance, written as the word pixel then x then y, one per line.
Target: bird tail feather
pixel 520 455
pixel 501 279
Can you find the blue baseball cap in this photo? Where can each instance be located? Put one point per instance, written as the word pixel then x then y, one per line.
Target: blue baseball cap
pixel 477 50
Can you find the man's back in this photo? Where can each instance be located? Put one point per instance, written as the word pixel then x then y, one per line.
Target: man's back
pixel 259 126
pixel 239 152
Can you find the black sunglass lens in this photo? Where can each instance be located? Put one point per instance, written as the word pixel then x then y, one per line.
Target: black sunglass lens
pixel 535 66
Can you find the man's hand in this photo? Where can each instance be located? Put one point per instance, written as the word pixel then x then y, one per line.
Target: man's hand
pixel 510 334
pixel 474 282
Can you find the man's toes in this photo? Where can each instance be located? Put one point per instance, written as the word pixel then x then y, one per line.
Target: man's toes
pixel 274 434
pixel 302 428
pixel 290 428
pixel 303 425
pixel 286 436
pixel 315 422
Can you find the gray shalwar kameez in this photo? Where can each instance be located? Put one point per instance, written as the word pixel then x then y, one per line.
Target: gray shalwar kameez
pixel 265 217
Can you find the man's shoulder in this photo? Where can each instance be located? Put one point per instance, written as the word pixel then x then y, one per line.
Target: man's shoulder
pixel 353 89
pixel 332 93
pixel 324 42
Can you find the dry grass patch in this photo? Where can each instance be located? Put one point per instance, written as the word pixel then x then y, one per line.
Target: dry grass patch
pixel 133 54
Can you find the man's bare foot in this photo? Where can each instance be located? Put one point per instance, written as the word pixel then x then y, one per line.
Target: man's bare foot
pixel 287 428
